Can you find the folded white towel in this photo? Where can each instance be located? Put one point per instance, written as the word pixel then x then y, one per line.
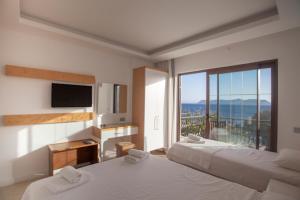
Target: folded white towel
pixel 58 183
pixel 194 137
pixel 71 174
pixel 138 153
pixel 132 159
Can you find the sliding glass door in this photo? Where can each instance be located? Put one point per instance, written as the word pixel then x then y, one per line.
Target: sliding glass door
pixel 240 105
pixel 193 104
pixel 233 103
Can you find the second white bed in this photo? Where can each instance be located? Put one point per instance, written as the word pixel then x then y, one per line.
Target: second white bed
pixel 248 167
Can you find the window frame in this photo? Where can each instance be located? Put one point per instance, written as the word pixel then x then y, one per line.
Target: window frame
pixel 272 64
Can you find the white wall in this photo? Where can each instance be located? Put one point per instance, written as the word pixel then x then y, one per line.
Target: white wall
pixel 285 47
pixel 24 154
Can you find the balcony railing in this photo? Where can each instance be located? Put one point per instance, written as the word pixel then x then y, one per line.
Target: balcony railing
pixel 228 130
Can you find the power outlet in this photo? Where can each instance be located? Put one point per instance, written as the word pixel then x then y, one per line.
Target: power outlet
pixel 297 130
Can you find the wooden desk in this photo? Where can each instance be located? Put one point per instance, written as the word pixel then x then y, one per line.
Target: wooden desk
pixel 112 131
pixel 74 153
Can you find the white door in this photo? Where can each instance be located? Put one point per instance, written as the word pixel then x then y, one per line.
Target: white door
pixel 155 110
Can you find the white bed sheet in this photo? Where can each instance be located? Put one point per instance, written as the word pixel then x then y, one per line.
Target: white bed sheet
pixel 283 188
pixel 153 179
pixel 248 167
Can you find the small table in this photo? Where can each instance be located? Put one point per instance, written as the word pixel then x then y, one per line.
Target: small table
pixel 103 134
pixel 74 153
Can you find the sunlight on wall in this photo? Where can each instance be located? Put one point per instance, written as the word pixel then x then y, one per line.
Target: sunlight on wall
pixel 41 135
pixel 38 136
pixel 23 142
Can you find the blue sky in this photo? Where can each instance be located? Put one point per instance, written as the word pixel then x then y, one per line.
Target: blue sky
pixel 232 85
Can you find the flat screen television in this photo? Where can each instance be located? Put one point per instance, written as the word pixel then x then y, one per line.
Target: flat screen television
pixel 65 95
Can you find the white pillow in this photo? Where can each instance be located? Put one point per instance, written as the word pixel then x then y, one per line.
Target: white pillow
pixel 283 188
pixel 289 158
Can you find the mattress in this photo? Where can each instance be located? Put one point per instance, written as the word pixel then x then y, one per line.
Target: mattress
pixel 248 167
pixel 152 179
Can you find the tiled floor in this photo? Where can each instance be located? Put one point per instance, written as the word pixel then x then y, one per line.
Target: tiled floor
pixel 15 192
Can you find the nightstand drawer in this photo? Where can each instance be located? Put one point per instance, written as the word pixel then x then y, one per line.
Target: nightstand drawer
pixel 62 159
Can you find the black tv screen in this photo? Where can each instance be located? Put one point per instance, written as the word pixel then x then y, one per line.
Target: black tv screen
pixel 64 95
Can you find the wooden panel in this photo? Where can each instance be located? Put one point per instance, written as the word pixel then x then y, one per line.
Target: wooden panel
pixel 59 160
pixel 123 99
pixel 65 146
pixel 62 159
pixel 138 105
pixel 12 70
pixel 11 120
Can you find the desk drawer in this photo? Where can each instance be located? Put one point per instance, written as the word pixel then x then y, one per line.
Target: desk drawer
pixel 62 159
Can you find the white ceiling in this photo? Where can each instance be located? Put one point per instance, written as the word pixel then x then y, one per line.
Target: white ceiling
pixel 146 26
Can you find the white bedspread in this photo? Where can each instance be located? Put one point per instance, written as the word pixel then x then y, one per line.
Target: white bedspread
pixel 249 167
pixel 153 179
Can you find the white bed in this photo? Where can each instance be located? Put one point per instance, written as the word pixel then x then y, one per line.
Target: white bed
pixel 153 179
pixel 248 167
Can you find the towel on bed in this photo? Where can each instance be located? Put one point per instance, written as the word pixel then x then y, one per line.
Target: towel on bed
pixel 59 184
pixel 138 153
pixel 135 156
pixel 71 174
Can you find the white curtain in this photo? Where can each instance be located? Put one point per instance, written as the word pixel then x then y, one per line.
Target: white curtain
pixel 172 90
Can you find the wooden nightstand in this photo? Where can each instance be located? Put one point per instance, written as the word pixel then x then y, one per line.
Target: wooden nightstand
pixel 74 153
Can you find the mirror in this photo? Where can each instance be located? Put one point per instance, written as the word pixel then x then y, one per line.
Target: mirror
pixel 112 98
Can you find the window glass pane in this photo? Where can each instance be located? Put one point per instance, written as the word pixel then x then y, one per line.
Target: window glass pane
pixel 249 107
pixel 265 108
pixel 250 82
pixel 236 107
pixel 225 106
pixel 249 133
pixel 264 139
pixel 265 81
pixel 237 80
pixel 265 122
pixel 193 103
pixel 225 84
pixel 213 84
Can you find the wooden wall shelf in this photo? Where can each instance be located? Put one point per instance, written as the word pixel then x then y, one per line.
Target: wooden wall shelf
pixel 15 120
pixel 12 70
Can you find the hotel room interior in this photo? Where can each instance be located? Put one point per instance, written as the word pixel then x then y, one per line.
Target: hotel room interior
pixel 149 99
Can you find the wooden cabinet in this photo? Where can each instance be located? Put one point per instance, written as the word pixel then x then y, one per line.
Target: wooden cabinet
pixel 74 153
pixel 149 107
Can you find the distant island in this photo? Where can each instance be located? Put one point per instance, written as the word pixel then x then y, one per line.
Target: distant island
pixel 236 102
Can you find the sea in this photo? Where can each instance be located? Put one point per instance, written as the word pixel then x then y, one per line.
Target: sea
pixel 225 111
